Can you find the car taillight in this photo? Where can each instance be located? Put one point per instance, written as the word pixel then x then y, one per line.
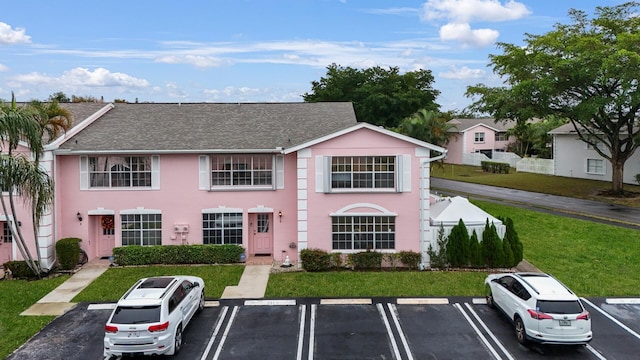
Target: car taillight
pixel 583 316
pixel 110 329
pixel 161 327
pixel 539 315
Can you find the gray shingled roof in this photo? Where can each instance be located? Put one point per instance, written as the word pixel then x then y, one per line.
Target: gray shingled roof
pixel 210 126
pixel 465 124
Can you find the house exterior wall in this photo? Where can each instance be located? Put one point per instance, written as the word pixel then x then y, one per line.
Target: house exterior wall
pixel 571 156
pixel 178 199
pixel 465 142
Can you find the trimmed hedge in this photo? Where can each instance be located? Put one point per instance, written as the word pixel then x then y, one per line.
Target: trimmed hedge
pixel 366 260
pixel 19 269
pixel 68 252
pixel 495 167
pixel 315 260
pixel 177 254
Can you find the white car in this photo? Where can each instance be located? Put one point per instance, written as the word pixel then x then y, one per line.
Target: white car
pixel 150 317
pixel 541 308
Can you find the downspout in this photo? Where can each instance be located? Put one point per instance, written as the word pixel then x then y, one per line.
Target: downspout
pixel 424 192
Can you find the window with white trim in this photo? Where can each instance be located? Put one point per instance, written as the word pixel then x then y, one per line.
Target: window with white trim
pixel 241 170
pixel 501 136
pixel 222 228
pixel 141 229
pixel 363 172
pixel 7 234
pixel 478 137
pixel 119 171
pixel 595 166
pixel 363 232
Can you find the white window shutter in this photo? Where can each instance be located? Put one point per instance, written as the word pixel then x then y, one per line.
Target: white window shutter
pixel 155 172
pixel 84 173
pixel 405 180
pixel 279 172
pixel 204 173
pixel 323 174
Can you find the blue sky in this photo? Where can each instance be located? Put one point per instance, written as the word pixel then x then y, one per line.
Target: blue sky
pixel 255 50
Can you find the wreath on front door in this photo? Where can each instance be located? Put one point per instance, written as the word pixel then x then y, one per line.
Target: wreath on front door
pixel 107 222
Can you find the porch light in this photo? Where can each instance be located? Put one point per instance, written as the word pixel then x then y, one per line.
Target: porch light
pixel 79 216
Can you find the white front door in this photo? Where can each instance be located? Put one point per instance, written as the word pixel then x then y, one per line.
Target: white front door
pixel 106 238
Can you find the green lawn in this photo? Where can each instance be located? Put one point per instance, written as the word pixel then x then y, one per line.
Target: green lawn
pixel 547 184
pixel 16 296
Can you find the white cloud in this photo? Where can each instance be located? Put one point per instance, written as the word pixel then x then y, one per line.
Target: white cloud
pixel 463 73
pixel 467 11
pixel 3 68
pixel 195 60
pixel 9 36
pixel 464 34
pixel 83 78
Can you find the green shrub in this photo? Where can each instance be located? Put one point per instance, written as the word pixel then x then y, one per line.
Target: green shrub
pixel 495 167
pixel 491 246
pixel 516 245
pixel 177 254
pixel 410 259
pixel 458 245
pixel 20 270
pixel 438 258
pixel 392 259
pixel 68 252
pixel 315 260
pixel 637 179
pixel 337 260
pixel 366 260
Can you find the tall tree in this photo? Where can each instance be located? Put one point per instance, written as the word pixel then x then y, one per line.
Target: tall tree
pixel 586 71
pixel 59 97
pixel 379 96
pixel 429 126
pixel 21 175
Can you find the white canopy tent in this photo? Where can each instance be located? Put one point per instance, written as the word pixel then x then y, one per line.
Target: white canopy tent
pixel 449 210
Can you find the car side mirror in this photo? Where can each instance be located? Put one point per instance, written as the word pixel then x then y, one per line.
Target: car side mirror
pixel 196 284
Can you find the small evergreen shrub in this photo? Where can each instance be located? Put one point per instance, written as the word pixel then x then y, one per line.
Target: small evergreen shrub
pixel 315 260
pixel 438 258
pixel 475 251
pixel 458 245
pixel 410 259
pixel 366 260
pixel 495 167
pixel 68 252
pixel 20 270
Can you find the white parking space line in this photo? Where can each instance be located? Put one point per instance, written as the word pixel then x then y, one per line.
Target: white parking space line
pixel 101 306
pixel 303 311
pixel 312 330
pixel 623 301
pixel 383 316
pixel 611 318
pixel 493 337
pixel 223 315
pixel 479 301
pixel 211 303
pixel 475 328
pixel 595 352
pixel 394 315
pixel 270 302
pixel 226 332
pixel 345 302
pixel 422 301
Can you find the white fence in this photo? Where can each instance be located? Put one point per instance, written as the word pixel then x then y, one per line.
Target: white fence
pixel 532 165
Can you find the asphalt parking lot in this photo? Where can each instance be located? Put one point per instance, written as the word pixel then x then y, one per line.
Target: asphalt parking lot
pixel 378 328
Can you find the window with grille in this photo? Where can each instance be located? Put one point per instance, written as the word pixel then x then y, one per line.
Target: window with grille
pixel 363 232
pixel 241 170
pixel 363 172
pixel 141 229
pixel 7 235
pixel 478 137
pixel 222 228
pixel 119 171
pixel 595 166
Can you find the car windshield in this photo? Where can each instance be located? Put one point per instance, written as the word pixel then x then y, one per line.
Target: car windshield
pixel 559 307
pixel 136 315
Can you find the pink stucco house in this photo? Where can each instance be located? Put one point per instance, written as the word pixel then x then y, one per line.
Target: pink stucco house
pixel 477 136
pixel 275 178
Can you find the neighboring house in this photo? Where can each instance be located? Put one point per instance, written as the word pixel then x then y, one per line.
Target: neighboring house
pixel 274 178
pixel 483 136
pixel 575 158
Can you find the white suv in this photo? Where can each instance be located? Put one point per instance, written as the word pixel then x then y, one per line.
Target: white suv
pixel 541 308
pixel 150 317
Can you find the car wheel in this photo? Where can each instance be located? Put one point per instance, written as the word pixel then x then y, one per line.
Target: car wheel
pixel 177 340
pixel 521 332
pixel 201 304
pixel 490 300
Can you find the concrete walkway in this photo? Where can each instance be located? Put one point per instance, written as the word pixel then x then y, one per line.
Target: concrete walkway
pixel 58 301
pixel 252 285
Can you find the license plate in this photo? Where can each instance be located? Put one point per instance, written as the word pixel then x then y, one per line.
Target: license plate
pixel 133 334
pixel 565 322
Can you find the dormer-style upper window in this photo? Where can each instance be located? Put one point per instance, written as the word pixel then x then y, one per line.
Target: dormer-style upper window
pixel 119 172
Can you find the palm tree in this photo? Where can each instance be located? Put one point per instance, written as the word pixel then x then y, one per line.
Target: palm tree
pixel 429 126
pixel 23 175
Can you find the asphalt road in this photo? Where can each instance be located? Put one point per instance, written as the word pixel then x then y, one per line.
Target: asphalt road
pixel 561 205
